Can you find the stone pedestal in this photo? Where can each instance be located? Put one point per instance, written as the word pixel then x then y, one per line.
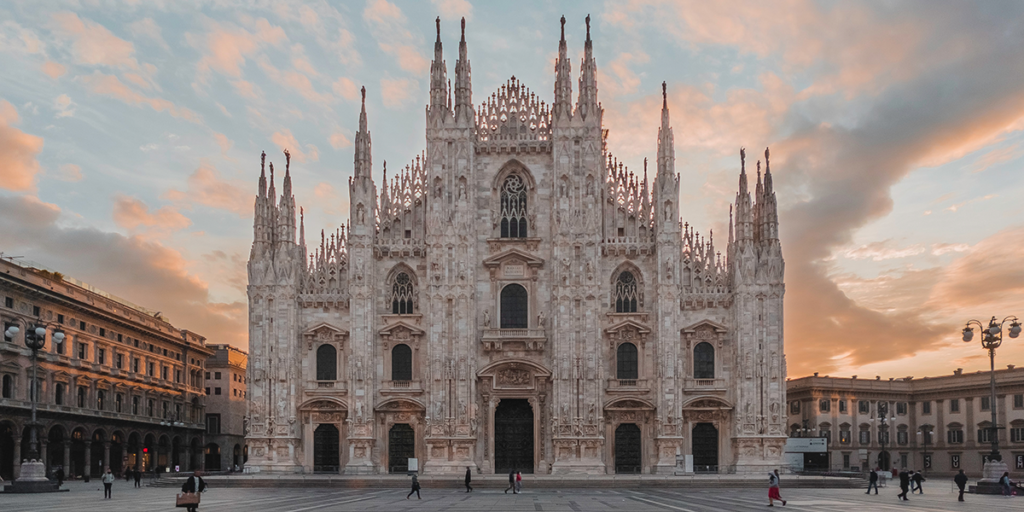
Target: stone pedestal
pixel 33 479
pixel 990 475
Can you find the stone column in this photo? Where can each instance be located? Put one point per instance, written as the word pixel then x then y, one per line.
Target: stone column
pixel 17 457
pixel 106 456
pixel 67 459
pixel 42 455
pixel 88 459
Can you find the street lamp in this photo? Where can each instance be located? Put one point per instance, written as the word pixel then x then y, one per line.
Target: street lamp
pixel 33 472
pixel 925 434
pixel 883 413
pixel 991 340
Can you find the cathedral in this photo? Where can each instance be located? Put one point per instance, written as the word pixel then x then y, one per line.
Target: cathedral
pixel 515 298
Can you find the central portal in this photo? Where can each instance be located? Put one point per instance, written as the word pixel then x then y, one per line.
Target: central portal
pixel 513 436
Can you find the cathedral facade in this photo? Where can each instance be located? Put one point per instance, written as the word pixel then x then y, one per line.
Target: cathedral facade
pixel 514 298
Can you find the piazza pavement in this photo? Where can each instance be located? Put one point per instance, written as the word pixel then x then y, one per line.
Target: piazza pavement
pixel 88 497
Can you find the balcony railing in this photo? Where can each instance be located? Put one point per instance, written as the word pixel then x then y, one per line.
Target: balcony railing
pixel 628 385
pixel 401 386
pixel 513 333
pixel 706 384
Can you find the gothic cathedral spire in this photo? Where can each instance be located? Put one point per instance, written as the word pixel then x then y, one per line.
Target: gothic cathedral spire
pixel 363 159
pixel 562 108
pixel 439 104
pixel 464 112
pixel 586 106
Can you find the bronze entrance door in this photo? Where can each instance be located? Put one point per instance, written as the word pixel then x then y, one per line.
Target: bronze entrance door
pixel 627 449
pixel 325 449
pixel 401 447
pixel 513 436
pixel 705 448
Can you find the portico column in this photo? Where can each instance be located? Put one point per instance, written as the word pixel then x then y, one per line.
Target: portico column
pixel 17 458
pixel 88 459
pixel 106 456
pixel 67 459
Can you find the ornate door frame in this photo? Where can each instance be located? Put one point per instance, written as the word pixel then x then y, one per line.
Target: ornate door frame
pixel 515 379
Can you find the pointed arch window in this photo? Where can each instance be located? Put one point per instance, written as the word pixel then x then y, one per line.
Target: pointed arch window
pixel 626 359
pixel 326 363
pixel 402 292
pixel 401 362
pixel 626 293
pixel 514 307
pixel 513 207
pixel 704 361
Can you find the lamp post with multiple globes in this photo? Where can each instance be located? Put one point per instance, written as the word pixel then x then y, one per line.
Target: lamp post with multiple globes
pixel 992 338
pixel 33 471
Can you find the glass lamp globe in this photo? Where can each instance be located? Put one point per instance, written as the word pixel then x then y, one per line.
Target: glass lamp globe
pixel 40 331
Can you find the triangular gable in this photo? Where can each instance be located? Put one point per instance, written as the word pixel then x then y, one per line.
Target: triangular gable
pixel 528 258
pixel 719 328
pixel 401 324
pixel 625 324
pixel 324 325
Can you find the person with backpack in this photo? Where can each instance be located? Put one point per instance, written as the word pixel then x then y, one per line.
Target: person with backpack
pixel 873 481
pixel 415 488
pixel 1007 484
pixel 773 489
pixel 194 484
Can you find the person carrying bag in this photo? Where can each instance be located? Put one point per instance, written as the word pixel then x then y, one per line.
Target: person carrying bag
pixel 189 497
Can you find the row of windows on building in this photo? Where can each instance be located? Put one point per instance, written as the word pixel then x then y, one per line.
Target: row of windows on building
pixel 954 435
pixel 81 399
pixel 864 406
pixel 514 312
pixel 627 362
pixel 234 376
pixel 234 392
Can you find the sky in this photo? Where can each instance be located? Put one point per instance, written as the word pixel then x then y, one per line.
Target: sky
pixel 131 134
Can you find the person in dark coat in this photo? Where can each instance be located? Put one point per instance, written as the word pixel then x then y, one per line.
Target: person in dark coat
pixel 469 478
pixel 137 475
pixel 415 488
pixel 128 475
pixel 918 479
pixel 904 485
pixel 873 481
pixel 511 482
pixel 195 483
pixel 961 483
pixel 59 475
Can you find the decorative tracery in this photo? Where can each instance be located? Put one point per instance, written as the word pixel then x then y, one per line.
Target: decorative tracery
pixel 402 292
pixel 626 293
pixel 513 207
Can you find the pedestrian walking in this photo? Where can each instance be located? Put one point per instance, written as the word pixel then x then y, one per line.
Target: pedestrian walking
pixel 469 478
pixel 59 475
pixel 415 488
pixel 773 489
pixel 511 482
pixel 904 485
pixel 194 484
pixel 128 475
pixel 918 480
pixel 873 481
pixel 1007 484
pixel 108 483
pixel 961 482
pixel 137 476
pixel 519 482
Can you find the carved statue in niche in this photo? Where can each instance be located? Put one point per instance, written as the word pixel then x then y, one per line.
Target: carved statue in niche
pixel 462 189
pixel 540 320
pixel 760 365
pixel 565 413
pixel 749 366
pixel 438 410
pixel 749 412
pixel 774 408
pixel 590 271
pixel 462 410
pixel 760 424
pixel 591 414
pixel 487 318
pixel 775 365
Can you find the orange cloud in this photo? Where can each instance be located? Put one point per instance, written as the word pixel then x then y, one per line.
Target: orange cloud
pixel 136 268
pixel 53 69
pixel 206 187
pixel 389 27
pixel 226 46
pixel 339 140
pixel 20 167
pixel 223 141
pixel 346 89
pixel 285 140
pixel 131 214
pixel 453 9
pixel 109 85
pixel 398 92
pixel 92 44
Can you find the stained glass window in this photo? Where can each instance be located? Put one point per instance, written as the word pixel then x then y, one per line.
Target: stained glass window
pixel 514 308
pixel 513 207
pixel 625 293
pixel 704 361
pixel 326 363
pixel 402 292
pixel 627 362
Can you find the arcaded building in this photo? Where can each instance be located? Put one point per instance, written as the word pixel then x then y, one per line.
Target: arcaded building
pixel 125 388
pixel 515 298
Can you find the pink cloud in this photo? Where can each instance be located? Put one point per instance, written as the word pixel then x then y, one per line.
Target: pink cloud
pixel 339 140
pixel 223 141
pixel 109 85
pixel 285 140
pixel 389 27
pixel 70 172
pixel 132 214
pixel 454 9
pixel 53 69
pixel 148 29
pixel 226 46
pixel 346 88
pixel 92 44
pixel 398 92
pixel 206 187
pixel 20 166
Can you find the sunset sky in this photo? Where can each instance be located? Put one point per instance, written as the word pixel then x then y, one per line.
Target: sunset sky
pixel 131 132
